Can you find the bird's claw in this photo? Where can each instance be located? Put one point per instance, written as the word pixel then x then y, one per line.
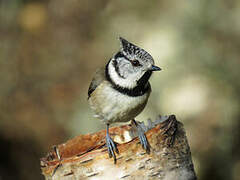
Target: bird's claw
pixel 143 140
pixel 142 137
pixel 112 148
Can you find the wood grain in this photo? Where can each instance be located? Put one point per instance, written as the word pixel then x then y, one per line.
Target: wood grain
pixel 86 157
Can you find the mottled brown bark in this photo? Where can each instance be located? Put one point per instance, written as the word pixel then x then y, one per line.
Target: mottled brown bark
pixel 86 157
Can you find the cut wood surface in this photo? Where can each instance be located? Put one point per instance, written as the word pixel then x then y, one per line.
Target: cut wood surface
pixel 86 157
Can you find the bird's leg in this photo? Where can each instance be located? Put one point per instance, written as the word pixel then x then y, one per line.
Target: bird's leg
pixel 142 137
pixel 111 146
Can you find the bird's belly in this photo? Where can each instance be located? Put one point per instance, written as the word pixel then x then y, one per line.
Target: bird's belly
pixel 112 106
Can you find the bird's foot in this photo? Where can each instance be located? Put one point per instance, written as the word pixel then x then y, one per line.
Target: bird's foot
pixel 143 140
pixel 142 137
pixel 112 148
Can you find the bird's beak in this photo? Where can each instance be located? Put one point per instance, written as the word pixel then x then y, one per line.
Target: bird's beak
pixel 155 68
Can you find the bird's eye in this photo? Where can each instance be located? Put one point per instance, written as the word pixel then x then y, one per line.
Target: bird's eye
pixel 135 63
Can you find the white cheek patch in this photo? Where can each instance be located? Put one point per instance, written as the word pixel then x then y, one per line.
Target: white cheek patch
pixel 129 82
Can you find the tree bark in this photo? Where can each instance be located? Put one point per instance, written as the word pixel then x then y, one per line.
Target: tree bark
pixel 86 157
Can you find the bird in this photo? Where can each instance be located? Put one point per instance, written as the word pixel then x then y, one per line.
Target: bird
pixel 119 91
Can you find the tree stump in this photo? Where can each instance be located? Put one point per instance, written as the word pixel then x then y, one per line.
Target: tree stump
pixel 86 157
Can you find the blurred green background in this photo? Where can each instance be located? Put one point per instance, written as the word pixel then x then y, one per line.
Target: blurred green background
pixel 50 49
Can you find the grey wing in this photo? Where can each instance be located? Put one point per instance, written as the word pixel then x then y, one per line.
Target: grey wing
pixel 99 77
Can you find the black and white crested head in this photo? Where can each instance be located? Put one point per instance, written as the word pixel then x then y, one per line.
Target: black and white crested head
pixel 131 66
pixel 134 52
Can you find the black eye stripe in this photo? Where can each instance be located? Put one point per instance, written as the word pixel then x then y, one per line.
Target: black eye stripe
pixel 119 55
